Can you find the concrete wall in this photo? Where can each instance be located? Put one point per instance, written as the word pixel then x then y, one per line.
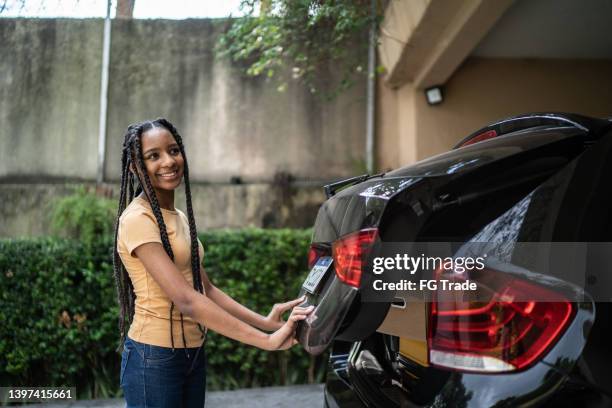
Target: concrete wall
pixel 482 91
pixel 232 125
pixel 49 98
pixel 25 207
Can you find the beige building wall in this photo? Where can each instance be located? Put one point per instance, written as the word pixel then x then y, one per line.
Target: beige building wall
pixel 481 91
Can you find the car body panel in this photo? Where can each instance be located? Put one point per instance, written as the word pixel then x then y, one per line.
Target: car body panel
pixel 426 188
pixel 517 187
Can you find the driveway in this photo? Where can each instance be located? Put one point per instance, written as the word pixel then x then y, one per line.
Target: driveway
pixel 294 396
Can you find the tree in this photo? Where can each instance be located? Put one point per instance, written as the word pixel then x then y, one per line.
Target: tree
pixel 306 35
pixel 125 8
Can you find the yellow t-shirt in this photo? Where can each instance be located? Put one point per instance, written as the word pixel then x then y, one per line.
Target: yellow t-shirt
pixel 151 324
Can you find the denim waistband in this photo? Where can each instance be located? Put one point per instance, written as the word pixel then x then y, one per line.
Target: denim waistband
pixel 147 350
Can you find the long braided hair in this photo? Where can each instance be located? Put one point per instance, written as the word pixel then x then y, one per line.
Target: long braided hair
pixel 131 186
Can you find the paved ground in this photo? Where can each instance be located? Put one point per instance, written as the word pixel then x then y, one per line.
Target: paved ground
pixel 295 396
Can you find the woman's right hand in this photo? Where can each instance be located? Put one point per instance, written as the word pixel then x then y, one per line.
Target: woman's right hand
pixel 284 338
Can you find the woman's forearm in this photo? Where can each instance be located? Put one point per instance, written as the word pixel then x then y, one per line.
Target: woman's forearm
pixel 205 311
pixel 236 309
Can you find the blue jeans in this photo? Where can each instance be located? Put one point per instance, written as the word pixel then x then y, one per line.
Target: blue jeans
pixel 153 376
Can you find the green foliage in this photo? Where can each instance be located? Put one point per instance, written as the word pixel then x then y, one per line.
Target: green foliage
pixel 83 215
pixel 258 268
pixel 58 313
pixel 59 310
pixel 310 36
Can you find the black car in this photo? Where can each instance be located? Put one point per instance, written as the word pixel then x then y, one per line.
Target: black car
pixel 530 179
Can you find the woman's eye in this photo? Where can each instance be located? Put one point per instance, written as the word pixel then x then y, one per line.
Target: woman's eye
pixel 152 156
pixel 175 151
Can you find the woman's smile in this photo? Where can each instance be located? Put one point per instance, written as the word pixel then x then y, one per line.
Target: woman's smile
pixel 163 159
pixel 164 164
pixel 171 175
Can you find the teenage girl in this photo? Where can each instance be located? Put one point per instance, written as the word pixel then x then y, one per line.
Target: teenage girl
pixel 166 298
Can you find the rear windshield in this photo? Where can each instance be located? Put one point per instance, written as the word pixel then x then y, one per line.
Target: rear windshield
pixel 472 156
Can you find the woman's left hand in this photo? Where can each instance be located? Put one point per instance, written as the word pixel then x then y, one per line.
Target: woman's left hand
pixel 274 320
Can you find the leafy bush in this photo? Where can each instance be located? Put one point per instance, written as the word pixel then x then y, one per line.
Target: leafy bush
pixel 60 313
pixel 83 215
pixel 308 36
pixel 258 268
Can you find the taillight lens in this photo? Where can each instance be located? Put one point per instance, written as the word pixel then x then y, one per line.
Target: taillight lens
pixel 315 252
pixel 349 252
pixel 505 326
pixel 490 134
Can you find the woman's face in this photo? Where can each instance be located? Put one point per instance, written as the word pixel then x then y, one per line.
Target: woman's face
pixel 162 158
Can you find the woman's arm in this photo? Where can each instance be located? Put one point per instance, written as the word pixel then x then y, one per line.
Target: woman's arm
pixel 205 311
pixel 271 322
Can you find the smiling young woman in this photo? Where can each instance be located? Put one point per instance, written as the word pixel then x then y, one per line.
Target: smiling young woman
pixel 164 293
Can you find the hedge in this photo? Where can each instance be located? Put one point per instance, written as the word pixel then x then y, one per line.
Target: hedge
pixel 60 313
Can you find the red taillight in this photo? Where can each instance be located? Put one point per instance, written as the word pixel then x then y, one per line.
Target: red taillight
pixel 348 253
pixel 315 252
pixel 479 138
pixel 498 329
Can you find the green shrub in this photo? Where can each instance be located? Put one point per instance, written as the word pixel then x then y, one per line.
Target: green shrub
pixel 59 310
pixel 257 268
pixel 58 313
pixel 83 215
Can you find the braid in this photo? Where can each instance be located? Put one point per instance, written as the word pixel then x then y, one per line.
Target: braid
pixel 130 183
pixel 195 254
pixel 125 290
pixel 193 234
pixel 153 200
pixel 158 216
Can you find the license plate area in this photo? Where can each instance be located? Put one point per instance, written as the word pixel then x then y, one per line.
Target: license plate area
pixel 318 271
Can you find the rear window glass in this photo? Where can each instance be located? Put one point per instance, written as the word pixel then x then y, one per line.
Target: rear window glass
pixel 472 156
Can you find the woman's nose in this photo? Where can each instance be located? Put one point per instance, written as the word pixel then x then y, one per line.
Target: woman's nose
pixel 168 160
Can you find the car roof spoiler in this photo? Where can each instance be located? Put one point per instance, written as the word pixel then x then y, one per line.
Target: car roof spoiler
pixel 332 188
pixel 526 121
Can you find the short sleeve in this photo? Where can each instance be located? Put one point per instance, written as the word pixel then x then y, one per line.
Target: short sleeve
pixel 200 249
pixel 186 221
pixel 138 228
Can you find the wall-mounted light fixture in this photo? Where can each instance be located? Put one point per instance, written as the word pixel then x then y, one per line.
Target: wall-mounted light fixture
pixel 434 95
